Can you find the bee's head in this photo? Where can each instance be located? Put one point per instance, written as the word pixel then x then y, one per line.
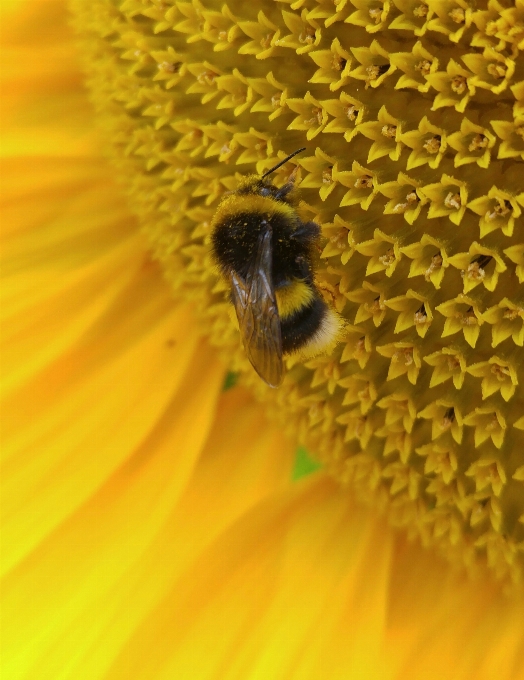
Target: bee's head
pixel 261 185
pixel 254 184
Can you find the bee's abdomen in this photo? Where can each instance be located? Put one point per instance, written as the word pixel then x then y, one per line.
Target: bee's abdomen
pixel 304 324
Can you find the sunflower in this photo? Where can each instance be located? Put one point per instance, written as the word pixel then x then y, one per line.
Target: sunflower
pixel 157 523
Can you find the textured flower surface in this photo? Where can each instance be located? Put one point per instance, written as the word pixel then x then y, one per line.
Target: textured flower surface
pixel 152 523
pixel 412 118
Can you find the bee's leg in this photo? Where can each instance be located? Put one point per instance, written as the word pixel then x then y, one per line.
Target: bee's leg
pixel 307 232
pixel 303 270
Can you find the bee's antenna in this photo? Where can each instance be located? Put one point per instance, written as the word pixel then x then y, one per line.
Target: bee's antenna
pixel 282 162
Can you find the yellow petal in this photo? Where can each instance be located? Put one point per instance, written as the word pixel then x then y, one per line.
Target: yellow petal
pixel 295 589
pixel 441 625
pixel 123 549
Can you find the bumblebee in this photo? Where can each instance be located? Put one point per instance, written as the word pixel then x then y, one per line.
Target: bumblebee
pixel 264 250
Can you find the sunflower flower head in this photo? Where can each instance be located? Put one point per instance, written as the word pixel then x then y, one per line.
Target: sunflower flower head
pixel 412 112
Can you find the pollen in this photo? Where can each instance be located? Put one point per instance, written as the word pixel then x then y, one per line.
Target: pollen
pixel 478 142
pixel 375 14
pixel 500 210
pixel 388 257
pixel 389 131
pixel 351 112
pixel 421 10
pixel 435 265
pixel 364 182
pixel 475 272
pixel 459 84
pixel 452 200
pixel 432 145
pixel 412 115
pixel 424 67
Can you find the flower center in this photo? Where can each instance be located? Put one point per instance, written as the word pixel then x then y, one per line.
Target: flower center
pixel 405 184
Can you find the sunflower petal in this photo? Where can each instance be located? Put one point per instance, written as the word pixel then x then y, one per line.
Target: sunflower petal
pixel 131 538
pixel 445 625
pixel 274 597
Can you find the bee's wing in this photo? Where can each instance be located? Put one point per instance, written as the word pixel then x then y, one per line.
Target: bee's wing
pixel 256 307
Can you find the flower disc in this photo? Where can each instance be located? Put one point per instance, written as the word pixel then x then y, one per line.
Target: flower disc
pixel 413 118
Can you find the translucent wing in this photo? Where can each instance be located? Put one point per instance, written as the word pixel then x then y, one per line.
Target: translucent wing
pixel 257 312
